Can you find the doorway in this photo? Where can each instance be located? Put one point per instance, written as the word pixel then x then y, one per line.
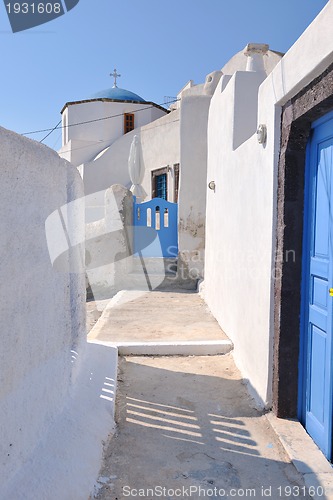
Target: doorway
pixel 316 387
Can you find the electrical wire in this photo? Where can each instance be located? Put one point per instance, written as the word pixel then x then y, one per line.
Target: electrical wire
pixel 108 141
pixel 54 128
pixel 50 130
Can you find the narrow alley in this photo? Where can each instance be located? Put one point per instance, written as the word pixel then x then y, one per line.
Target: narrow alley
pixel 186 425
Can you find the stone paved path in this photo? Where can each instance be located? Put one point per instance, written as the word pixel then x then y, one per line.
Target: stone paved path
pixel 188 425
pixel 157 316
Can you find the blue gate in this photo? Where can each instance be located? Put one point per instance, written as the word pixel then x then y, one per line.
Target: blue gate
pixel 156 228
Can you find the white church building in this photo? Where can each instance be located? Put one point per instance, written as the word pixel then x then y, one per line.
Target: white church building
pixel 98 146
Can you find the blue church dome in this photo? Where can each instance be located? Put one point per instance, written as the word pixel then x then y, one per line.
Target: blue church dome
pixel 118 95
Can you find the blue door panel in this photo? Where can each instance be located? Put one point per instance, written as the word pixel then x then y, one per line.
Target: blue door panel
pixel 318 318
pixel 320 293
pixel 317 374
pixel 319 267
pixel 317 280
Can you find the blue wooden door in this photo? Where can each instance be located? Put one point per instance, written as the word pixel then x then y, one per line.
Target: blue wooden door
pixel 156 228
pixel 317 282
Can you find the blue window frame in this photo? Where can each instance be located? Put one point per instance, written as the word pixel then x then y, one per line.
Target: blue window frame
pixel 161 186
pixel 160 183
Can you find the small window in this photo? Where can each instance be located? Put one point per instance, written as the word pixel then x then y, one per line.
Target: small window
pixel 157 219
pixel 161 186
pixel 128 122
pixel 148 217
pixel 160 183
pixel 166 217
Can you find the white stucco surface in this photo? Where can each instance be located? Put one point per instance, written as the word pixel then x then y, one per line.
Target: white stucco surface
pixel 109 243
pixel 159 147
pixel 48 394
pixel 195 103
pixel 240 232
pixel 311 54
pixel 160 143
pixel 65 462
pixel 105 125
pixel 239 61
pixel 192 190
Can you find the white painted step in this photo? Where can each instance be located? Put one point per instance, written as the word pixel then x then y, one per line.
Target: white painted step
pixel 179 348
pixel 155 265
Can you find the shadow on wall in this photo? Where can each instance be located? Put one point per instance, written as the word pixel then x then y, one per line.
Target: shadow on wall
pixel 197 431
pixel 65 462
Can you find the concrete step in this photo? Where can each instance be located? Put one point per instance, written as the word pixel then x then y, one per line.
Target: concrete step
pixel 155 265
pixel 162 274
pixel 138 281
pixel 157 281
pixel 176 348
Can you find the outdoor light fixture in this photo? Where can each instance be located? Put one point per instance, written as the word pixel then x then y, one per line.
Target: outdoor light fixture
pixel 211 185
pixel 262 134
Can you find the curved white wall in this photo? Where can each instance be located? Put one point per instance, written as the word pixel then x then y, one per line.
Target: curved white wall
pixel 42 311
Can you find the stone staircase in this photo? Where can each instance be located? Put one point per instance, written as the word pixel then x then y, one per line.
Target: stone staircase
pixel 152 273
pixel 162 323
pixel 146 273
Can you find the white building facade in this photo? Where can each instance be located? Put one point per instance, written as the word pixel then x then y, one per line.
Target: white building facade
pixel 264 237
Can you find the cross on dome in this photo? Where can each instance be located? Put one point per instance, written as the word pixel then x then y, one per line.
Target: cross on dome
pixel 115 76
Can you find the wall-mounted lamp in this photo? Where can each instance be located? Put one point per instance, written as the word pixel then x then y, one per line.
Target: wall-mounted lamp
pixel 262 134
pixel 212 185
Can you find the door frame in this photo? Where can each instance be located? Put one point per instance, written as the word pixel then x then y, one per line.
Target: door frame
pixel 304 317
pixel 308 206
pixel 298 114
pixel 309 202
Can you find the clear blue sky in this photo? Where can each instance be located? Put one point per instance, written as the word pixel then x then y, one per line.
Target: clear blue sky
pixel 156 45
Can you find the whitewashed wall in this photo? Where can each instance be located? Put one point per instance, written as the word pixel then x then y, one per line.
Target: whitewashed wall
pixel 239 227
pixel 84 141
pixel 192 190
pixel 160 142
pixel 109 244
pixel 240 232
pixel 42 319
pixel 159 147
pixel 193 175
